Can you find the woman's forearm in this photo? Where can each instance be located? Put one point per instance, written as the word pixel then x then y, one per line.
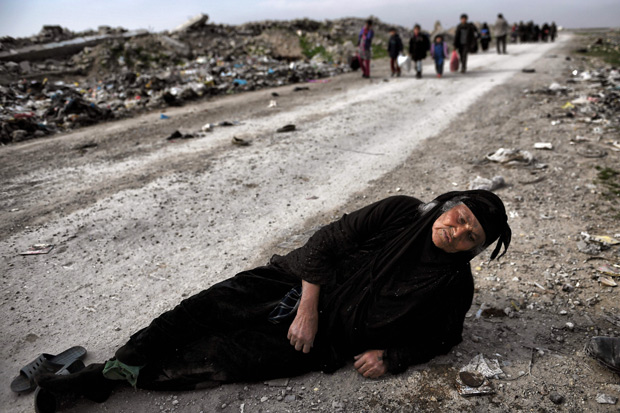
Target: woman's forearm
pixel 309 301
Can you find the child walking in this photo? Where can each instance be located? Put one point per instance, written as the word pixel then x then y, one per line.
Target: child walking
pixel 439 52
pixel 395 46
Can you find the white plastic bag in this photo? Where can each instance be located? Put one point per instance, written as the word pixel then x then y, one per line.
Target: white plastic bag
pixel 404 62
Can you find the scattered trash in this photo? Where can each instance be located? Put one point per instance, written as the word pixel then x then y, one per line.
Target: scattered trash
pixel 122 72
pixel 272 104
pixel 543 145
pixel 487 184
pixel 178 135
pixel 613 270
pixel 606 399
pixel 556 398
pixel 208 127
pixel 568 105
pixel 607 282
pixel 602 239
pixel 239 141
pixel 473 378
pixel 162 116
pixel 286 128
pixel 404 62
pixel 514 157
pixel 590 151
pixel 37 249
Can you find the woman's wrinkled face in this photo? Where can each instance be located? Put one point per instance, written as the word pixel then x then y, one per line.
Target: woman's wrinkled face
pixel 457 230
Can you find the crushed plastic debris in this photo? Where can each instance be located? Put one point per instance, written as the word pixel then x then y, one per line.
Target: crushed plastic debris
pixel 487 184
pixel 543 145
pixel 473 378
pixel 608 269
pixel 514 157
pixel 38 249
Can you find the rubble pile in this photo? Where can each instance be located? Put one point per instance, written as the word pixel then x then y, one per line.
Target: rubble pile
pixel 117 73
pixel 590 97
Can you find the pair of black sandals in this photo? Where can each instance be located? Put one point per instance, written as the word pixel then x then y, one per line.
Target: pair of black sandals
pixel 67 362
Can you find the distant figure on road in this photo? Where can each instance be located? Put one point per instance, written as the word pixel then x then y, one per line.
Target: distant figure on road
pixel 439 52
pixel 544 33
pixel 501 31
pixel 553 31
pixel 514 33
pixel 364 41
pixel 465 40
pixel 485 37
pixel 418 46
pixel 395 46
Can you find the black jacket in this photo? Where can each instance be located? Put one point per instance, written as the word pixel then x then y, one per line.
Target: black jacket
pixel 395 46
pixel 472 36
pixel 418 46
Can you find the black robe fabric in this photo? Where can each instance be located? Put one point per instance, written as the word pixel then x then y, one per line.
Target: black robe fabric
pixel 384 285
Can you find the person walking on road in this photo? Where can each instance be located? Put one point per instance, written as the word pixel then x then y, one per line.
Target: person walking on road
pixel 419 44
pixel 501 31
pixel 485 37
pixel 395 46
pixel 439 52
pixel 553 31
pixel 465 39
pixel 364 42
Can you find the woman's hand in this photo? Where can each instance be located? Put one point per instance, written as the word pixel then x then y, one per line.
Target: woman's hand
pixel 303 329
pixel 306 323
pixel 370 364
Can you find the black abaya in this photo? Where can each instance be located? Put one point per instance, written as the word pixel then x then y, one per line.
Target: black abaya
pixel 384 285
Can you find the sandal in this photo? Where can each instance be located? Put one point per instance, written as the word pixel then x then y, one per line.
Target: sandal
pixel 45 363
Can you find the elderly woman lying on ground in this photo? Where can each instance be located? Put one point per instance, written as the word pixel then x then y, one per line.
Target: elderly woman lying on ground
pixel 387 285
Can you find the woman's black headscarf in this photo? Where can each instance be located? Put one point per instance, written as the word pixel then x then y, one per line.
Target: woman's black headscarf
pixel 490 212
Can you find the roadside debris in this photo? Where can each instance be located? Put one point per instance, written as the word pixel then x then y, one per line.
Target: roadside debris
pixel 602 398
pixel 543 145
pixel 286 128
pixel 122 73
pixel 473 378
pixel 179 135
pixel 239 141
pixel 613 270
pixel 38 249
pixel 514 157
pixel 487 184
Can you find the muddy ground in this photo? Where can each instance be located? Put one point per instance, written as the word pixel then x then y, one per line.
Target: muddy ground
pixel 134 236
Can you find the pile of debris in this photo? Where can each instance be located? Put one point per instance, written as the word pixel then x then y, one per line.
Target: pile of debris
pixel 590 97
pixel 115 73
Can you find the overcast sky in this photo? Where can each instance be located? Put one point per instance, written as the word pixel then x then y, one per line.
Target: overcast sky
pixel 19 18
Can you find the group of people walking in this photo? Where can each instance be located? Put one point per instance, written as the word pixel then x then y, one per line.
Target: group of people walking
pixel 531 32
pixel 466 39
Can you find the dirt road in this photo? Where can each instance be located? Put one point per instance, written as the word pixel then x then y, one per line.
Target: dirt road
pixel 139 222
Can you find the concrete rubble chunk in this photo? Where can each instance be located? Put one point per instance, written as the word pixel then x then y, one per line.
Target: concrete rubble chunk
pixel 193 23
